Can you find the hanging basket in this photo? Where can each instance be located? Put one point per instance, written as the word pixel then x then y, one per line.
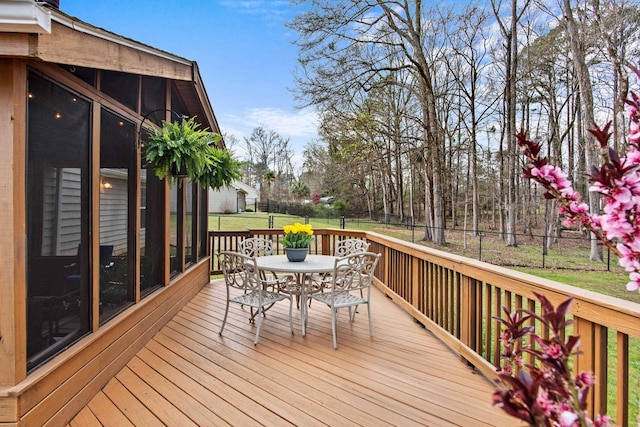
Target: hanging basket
pixel 179 173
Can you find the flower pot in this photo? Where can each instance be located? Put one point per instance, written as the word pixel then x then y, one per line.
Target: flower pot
pixel 296 254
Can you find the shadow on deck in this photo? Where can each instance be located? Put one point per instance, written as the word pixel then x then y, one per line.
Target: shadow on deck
pixel 189 375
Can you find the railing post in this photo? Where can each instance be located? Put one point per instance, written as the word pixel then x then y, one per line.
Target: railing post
pixel 306 219
pixel 342 222
pixel 270 222
pixel 593 358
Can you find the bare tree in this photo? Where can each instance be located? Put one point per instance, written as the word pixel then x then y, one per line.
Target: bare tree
pixel 586 98
pixel 470 44
pixel 341 52
pixel 509 30
pixel 269 155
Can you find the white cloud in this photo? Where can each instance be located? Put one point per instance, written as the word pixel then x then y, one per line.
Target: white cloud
pixel 302 123
pixel 299 126
pixel 274 11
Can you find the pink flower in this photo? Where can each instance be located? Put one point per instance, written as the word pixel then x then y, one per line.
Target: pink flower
pixel 586 378
pixel 554 351
pixel 634 132
pixel 544 403
pixel 634 284
pixel 568 419
pixel 602 421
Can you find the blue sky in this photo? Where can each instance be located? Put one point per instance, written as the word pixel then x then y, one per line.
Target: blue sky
pixel 244 52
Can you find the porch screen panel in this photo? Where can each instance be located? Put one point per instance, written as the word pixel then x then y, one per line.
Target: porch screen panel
pixel 117 155
pixel 176 228
pixel 203 217
pixel 57 202
pixel 151 230
pixel 190 224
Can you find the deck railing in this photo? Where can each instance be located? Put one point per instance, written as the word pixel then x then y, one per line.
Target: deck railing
pixel 456 298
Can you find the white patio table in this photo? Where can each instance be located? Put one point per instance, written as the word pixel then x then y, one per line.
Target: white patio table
pixel 311 264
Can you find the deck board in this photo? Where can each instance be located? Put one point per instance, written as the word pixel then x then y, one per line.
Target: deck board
pixel 189 375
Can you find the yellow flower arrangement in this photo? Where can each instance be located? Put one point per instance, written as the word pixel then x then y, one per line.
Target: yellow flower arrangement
pixel 297 235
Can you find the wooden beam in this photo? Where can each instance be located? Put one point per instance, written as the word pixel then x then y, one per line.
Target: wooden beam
pixel 13 328
pixel 18 45
pixel 67 46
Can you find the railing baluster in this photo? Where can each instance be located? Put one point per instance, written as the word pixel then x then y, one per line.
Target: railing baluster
pixel 497 348
pixel 622 383
pixel 487 321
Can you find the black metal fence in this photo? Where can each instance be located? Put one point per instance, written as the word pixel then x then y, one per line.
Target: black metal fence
pixel 570 250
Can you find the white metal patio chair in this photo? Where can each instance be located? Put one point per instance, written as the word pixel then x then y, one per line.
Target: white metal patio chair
pixel 350 246
pixel 350 286
pixel 259 246
pixel 245 286
pixel 255 246
pixel 343 248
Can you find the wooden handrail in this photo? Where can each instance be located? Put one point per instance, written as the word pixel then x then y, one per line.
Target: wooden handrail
pixel 456 298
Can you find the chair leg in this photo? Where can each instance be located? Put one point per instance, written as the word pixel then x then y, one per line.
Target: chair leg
pixel 334 315
pixel 259 323
pixel 369 316
pixel 224 321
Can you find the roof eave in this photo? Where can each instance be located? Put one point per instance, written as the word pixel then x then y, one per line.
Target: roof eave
pixel 20 16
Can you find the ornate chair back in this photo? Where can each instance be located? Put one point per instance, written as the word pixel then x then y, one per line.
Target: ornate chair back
pixel 351 246
pixel 256 246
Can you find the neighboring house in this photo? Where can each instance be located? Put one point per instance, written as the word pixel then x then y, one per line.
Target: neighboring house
pixel 233 199
pixel 97 251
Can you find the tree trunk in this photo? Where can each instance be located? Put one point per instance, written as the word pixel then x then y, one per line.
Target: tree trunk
pixel 586 97
pixel 510 94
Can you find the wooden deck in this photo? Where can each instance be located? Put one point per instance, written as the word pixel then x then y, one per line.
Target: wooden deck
pixel 189 375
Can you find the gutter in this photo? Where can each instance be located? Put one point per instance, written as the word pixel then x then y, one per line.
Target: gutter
pixel 24 16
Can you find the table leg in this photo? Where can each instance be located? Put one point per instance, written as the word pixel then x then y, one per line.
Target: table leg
pixel 303 303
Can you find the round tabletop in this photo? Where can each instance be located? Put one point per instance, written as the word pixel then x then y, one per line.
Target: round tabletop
pixel 311 264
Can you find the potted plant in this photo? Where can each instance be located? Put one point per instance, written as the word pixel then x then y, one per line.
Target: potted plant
pixel 296 241
pixel 180 149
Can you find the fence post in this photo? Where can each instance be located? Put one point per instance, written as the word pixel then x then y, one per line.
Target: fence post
pixel 544 245
pixel 480 251
pixel 413 230
pixel 219 223
pixel 306 219
pixel 342 222
pixel 270 224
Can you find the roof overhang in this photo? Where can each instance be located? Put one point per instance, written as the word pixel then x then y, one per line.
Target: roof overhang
pixel 71 41
pixel 24 16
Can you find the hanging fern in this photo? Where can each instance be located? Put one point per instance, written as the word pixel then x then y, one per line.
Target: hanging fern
pixel 181 143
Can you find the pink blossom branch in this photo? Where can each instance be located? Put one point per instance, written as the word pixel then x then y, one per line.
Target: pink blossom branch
pixel 617 180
